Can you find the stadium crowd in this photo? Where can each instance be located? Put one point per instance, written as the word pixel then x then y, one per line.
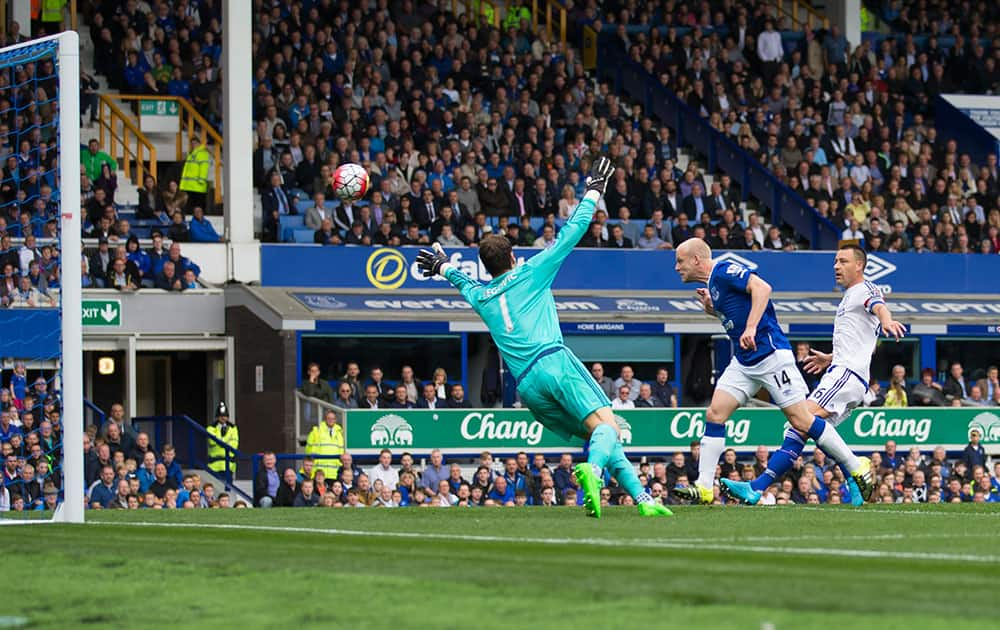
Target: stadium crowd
pixel 30 441
pixel 124 470
pixel 848 125
pixel 467 129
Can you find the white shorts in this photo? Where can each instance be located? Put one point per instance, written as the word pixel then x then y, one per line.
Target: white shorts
pixel 838 393
pixel 777 373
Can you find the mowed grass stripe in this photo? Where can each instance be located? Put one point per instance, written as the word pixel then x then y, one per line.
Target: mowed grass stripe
pixel 677 544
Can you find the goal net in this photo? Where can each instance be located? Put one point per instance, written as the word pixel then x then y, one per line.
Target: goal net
pixel 41 401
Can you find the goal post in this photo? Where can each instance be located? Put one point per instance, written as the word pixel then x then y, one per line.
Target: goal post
pixel 68 69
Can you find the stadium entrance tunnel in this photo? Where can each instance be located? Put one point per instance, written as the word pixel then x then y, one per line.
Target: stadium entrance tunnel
pixel 156 353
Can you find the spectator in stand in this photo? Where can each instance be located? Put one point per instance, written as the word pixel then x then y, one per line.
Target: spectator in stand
pixel 102 492
pixel 434 473
pixel 201 229
pixel 384 472
pixel 624 399
pixel 646 398
pixel 990 383
pixel 604 382
pixel 345 397
pixel 400 401
pixel 955 388
pixel 288 490
pixel 429 399
pixel 457 399
pixel 371 399
pixel 92 160
pixel 927 393
pixel 627 378
pixel 974 454
pixel 168 280
pixel 316 387
pixel 896 395
pixel 326 234
pixel 662 389
pixel 267 481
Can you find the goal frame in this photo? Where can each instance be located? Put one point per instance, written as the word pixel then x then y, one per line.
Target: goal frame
pixel 71 359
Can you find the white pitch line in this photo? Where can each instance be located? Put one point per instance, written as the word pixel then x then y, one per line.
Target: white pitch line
pixel 684 544
pixel 868 510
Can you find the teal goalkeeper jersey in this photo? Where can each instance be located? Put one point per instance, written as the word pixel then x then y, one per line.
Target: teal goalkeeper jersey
pixel 517 306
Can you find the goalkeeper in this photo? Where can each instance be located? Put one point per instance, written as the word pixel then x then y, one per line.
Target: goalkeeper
pixel 518 308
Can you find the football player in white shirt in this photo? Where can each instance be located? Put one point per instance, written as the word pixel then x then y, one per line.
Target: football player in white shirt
pixel 861 317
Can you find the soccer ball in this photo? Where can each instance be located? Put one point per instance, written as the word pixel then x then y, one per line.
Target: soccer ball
pixel 350 182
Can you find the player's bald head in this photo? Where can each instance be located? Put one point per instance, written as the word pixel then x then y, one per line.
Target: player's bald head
pixel 696 248
pixel 693 262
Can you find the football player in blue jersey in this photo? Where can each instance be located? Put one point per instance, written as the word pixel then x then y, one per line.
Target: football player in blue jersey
pixel 762 358
pixel 518 308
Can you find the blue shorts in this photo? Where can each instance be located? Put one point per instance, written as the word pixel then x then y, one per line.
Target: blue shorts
pixel 560 393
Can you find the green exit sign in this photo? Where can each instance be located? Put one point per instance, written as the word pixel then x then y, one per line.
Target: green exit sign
pixel 102 312
pixel 157 108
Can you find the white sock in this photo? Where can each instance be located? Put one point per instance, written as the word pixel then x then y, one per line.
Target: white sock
pixel 711 451
pixel 835 446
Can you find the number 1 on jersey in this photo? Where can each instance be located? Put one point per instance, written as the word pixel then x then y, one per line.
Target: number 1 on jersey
pixel 508 323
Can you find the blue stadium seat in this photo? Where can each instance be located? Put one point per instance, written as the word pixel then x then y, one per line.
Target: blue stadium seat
pixel 293 220
pixel 302 235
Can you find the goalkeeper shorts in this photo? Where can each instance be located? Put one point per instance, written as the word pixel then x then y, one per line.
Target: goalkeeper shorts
pixel 560 393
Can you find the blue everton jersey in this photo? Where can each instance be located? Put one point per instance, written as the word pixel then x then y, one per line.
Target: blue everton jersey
pixel 728 287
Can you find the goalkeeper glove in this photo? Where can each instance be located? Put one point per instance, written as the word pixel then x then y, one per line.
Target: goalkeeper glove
pixel 430 261
pixel 600 175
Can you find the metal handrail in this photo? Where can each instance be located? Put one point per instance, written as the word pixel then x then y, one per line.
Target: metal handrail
pixel 97 411
pixel 477 9
pixel 192 124
pixel 550 6
pixel 755 179
pixel 109 115
pixel 310 411
pixel 189 452
pixel 811 13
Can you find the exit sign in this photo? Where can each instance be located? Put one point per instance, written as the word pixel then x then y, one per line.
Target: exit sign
pixel 102 312
pixel 157 108
pixel 159 116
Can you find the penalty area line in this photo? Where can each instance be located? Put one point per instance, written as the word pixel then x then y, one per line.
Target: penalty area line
pixel 678 544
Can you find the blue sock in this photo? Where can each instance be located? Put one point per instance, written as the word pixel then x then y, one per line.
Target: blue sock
pixel 602 445
pixel 816 430
pixel 622 470
pixel 780 461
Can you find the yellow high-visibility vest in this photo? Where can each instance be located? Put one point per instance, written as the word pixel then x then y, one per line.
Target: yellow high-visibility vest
pixel 217 452
pixel 324 440
pixel 52 10
pixel 194 177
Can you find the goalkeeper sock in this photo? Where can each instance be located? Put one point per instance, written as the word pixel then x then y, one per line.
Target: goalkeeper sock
pixel 712 445
pixel 781 460
pixel 622 470
pixel 602 445
pixel 829 440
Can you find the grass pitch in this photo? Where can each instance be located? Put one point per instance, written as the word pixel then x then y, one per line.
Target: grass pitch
pixel 795 567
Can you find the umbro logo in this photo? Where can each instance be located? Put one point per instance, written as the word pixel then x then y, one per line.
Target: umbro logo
pixel 878 268
pixel 749 264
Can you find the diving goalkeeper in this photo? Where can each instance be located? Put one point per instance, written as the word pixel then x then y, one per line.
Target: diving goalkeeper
pixel 518 308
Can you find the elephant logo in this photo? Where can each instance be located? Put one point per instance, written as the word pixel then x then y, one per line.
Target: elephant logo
pixel 392 430
pixel 625 429
pixel 988 425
